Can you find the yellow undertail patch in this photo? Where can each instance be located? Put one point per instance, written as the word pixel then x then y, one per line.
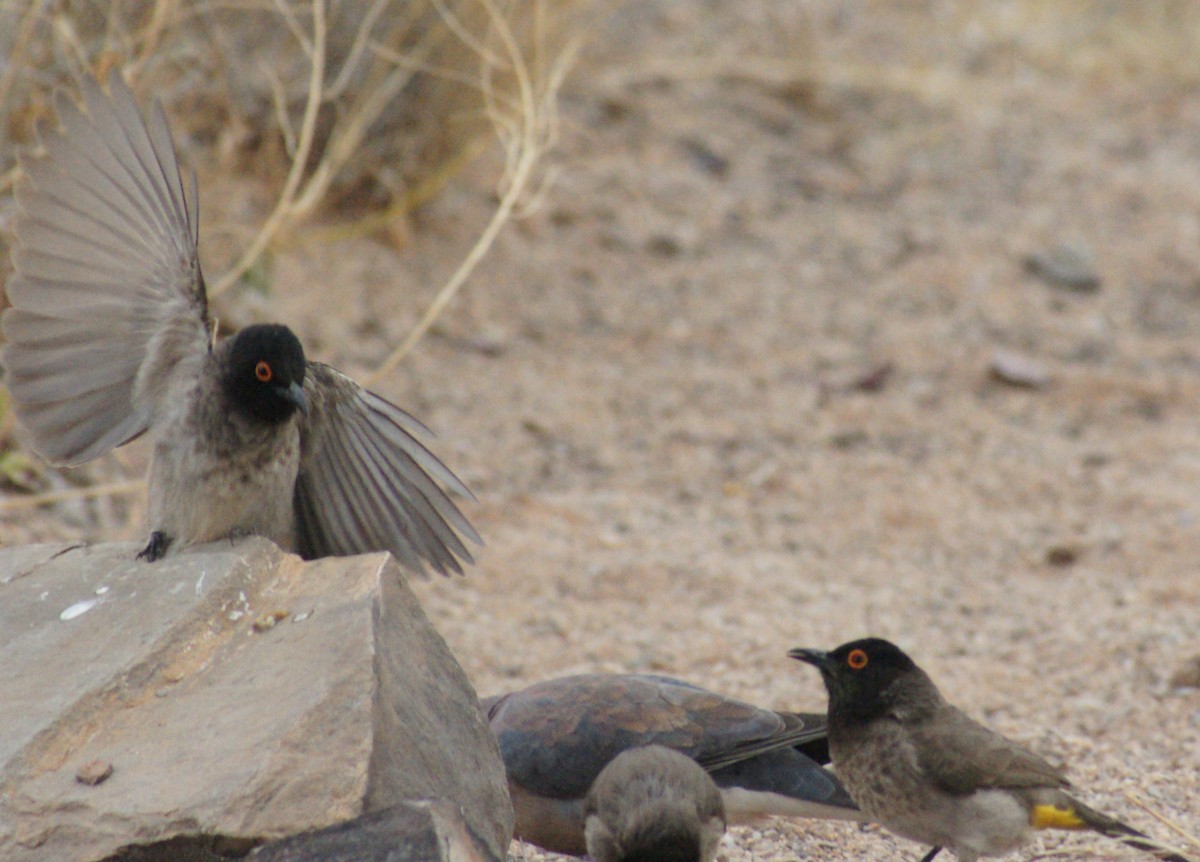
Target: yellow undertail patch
pixel 1053 817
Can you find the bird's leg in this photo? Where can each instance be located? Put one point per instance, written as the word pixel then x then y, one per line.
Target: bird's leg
pixel 928 857
pixel 239 533
pixel 156 548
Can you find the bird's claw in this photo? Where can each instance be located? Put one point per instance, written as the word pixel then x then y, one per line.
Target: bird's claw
pixel 156 547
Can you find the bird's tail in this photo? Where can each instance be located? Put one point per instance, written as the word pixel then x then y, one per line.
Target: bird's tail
pixel 1070 813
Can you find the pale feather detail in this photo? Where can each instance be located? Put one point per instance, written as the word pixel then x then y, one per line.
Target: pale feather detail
pixel 107 297
pixel 367 483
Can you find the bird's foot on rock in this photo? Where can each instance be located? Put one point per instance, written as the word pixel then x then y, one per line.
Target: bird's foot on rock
pixel 238 533
pixel 156 547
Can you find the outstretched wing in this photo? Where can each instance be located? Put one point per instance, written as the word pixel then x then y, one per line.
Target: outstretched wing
pixel 367 483
pixel 107 297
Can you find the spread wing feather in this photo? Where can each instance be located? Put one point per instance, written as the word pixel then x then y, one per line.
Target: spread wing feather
pixel 107 299
pixel 367 483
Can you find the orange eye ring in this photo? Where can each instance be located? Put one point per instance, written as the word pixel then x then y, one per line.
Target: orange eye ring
pixel 857 659
pixel 263 371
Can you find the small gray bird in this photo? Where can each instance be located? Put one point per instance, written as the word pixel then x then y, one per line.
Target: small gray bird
pixel 108 336
pixel 928 772
pixel 653 804
pixel 557 736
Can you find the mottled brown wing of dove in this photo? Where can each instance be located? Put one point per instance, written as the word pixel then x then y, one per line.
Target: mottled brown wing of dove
pixel 366 482
pixel 107 297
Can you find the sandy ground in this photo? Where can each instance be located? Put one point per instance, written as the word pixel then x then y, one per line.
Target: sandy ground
pixel 728 392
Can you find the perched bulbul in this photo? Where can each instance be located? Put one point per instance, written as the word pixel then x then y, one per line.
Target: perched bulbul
pixel 557 736
pixel 926 771
pixel 653 804
pixel 108 336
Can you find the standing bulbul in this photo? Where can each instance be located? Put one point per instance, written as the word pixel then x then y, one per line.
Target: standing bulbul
pixel 108 336
pixel 926 771
pixel 653 804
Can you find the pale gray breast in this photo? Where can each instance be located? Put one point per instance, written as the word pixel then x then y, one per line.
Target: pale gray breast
pixel 878 766
pixel 217 474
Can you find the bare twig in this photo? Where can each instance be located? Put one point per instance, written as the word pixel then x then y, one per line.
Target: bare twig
pixel 525 139
pixel 283 206
pixel 20 45
pixel 413 198
pixel 349 136
pixel 1190 837
pixel 361 40
pixel 465 36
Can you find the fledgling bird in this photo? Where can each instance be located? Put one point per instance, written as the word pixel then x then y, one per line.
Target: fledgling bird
pixel 928 772
pixel 653 804
pixel 557 736
pixel 109 336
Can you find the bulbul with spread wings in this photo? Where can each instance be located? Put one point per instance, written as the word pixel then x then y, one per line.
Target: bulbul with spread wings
pixel 108 336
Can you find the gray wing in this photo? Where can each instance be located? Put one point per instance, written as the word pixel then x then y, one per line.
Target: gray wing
pixel 963 756
pixel 107 296
pixel 556 736
pixel 786 772
pixel 804 733
pixel 367 483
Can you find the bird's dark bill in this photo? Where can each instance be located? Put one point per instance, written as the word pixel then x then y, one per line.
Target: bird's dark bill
pixel 817 658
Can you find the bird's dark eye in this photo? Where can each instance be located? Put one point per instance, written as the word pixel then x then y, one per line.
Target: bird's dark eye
pixel 263 371
pixel 857 659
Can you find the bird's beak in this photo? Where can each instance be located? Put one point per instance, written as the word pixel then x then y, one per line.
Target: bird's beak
pixel 295 394
pixel 816 657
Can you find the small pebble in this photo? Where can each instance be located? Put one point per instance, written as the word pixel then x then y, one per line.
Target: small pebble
pixel 490 344
pixel 1187 675
pixel 94 772
pixel 1062 555
pixel 664 245
pixel 267 621
pixel 705 157
pixel 852 438
pixel 1018 370
pixel 875 379
pixel 1069 265
pixel 78 609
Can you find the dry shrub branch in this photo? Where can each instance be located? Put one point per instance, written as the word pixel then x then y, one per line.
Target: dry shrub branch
pixel 368 106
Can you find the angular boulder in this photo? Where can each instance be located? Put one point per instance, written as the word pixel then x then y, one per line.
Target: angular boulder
pixel 223 696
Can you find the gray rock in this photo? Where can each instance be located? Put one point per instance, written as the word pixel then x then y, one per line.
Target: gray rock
pixel 1070 265
pixel 238 692
pixel 1019 370
pixel 423 831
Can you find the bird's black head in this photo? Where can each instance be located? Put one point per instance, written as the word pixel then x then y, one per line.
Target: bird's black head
pixel 865 678
pixel 660 831
pixel 667 846
pixel 263 373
